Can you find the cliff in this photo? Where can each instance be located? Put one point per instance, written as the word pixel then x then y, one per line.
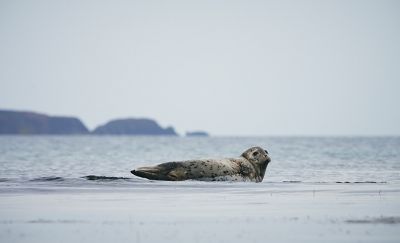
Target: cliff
pixel 133 126
pixel 17 122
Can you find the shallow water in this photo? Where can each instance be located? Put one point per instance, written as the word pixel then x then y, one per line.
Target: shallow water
pixel 26 159
pixel 79 188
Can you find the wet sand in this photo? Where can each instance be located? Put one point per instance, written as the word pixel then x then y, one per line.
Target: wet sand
pixel 202 212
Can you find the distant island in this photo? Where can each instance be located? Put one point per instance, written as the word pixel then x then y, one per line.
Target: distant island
pixel 197 134
pixel 20 122
pixel 133 126
pixel 26 122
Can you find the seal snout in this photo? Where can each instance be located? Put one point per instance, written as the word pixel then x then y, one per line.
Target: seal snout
pixel 267 156
pixel 133 171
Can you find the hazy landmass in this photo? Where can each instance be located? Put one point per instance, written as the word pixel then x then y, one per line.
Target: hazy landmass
pixel 197 134
pixel 18 122
pixel 26 122
pixel 133 126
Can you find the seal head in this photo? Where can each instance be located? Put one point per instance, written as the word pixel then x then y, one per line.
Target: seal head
pixel 259 158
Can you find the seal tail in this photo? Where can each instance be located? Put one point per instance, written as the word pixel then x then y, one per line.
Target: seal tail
pixel 167 171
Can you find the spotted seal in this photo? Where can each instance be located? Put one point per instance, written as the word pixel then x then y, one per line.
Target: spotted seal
pixel 250 166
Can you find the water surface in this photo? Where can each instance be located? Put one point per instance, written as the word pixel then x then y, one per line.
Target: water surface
pixel 79 188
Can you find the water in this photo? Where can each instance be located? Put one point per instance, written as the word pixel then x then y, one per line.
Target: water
pixel 80 187
pixel 26 159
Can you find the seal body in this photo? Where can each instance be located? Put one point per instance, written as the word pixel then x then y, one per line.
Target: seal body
pixel 250 166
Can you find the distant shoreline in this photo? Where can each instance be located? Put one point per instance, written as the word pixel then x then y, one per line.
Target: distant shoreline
pixel 33 123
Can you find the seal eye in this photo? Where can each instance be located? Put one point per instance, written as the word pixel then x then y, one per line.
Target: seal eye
pixel 255 153
pixel 266 151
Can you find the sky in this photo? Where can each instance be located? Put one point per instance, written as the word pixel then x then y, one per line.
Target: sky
pixel 248 67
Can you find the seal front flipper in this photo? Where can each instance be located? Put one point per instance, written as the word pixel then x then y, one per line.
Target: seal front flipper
pixel 171 171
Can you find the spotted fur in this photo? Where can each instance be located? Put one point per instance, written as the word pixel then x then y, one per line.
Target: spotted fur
pixel 250 166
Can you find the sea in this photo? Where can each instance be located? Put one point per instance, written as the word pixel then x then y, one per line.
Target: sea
pixel 79 188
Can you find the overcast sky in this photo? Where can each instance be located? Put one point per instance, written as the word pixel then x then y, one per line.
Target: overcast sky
pixel 227 67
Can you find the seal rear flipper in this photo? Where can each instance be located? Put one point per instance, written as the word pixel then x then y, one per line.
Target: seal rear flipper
pixel 171 171
pixel 147 172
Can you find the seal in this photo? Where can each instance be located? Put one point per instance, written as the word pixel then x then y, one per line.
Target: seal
pixel 250 166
